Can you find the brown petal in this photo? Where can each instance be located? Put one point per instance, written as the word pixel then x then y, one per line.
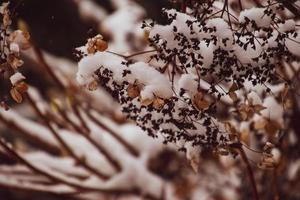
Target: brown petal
pixel 272 127
pixel 257 108
pixel 234 87
pixel 15 62
pixel 133 91
pixel 233 96
pixel 92 86
pixel 200 102
pixel 21 87
pixel 101 45
pixel 17 96
pixel 158 103
pixel 146 102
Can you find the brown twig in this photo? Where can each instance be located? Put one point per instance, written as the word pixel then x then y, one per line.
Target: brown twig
pixel 101 149
pixel 130 148
pixel 79 187
pixel 62 142
pixel 249 170
pixel 27 136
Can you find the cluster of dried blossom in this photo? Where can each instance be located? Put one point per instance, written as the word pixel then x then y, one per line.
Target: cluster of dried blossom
pixel 11 45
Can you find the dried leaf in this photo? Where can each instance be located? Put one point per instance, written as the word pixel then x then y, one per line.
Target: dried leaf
pixel 272 127
pixel 96 44
pixel 258 108
pixel 133 91
pixel 158 103
pixel 234 87
pixel 268 147
pixel 101 45
pixel 21 87
pixel 200 102
pixel 260 124
pixel 245 111
pixel 92 86
pixel 17 96
pixel 223 151
pixel 233 96
pixel 14 62
pixel 245 136
pixel 230 128
pixel 146 102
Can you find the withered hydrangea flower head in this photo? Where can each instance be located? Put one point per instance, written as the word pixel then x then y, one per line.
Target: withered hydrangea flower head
pixel 209 58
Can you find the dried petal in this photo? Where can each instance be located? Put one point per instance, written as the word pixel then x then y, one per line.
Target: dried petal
pixel 200 102
pixel 146 102
pixel 234 87
pixel 17 96
pixel 272 127
pixel 92 86
pixel 258 108
pixel 233 96
pixel 158 103
pixel 133 90
pixel 15 62
pixel 21 87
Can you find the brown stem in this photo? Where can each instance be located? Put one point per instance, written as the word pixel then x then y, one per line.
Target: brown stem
pixel 47 146
pixel 78 187
pixel 101 149
pixel 130 148
pixel 63 143
pixel 42 61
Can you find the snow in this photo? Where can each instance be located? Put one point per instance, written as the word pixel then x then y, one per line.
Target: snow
pixel 131 15
pixel 33 128
pixel 154 82
pixel 287 25
pixel 246 56
pixel 14 47
pixel 16 78
pixel 90 10
pixel 274 110
pixel 89 64
pixel 293 44
pixel 188 83
pixel 257 15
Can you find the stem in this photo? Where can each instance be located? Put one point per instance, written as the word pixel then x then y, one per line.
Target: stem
pixel 69 150
pixel 129 148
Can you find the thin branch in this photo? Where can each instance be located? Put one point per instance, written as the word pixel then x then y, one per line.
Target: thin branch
pixel 63 143
pixel 249 170
pixel 130 148
pixel 101 149
pixel 79 187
